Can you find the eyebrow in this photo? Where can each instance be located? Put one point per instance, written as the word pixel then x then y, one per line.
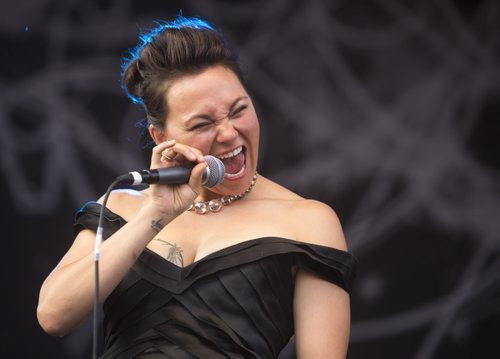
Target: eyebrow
pixel 208 117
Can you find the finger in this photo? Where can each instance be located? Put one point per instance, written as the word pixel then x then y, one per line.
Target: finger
pixel 189 153
pixel 167 156
pixel 157 159
pixel 158 149
pixel 196 178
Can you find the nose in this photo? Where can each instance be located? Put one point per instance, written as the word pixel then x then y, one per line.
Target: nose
pixel 226 131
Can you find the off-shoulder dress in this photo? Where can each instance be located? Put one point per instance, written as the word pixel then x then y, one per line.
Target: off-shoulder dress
pixel 234 303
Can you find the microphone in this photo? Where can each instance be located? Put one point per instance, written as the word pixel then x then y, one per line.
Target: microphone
pixel 212 176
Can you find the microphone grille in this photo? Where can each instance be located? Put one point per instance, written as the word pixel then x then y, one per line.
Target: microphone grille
pixel 214 173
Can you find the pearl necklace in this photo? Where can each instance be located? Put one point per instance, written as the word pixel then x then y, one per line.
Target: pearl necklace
pixel 215 205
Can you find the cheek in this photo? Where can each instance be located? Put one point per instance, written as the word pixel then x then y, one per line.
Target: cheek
pixel 250 126
pixel 257 128
pixel 201 141
pixel 204 142
pixel 253 129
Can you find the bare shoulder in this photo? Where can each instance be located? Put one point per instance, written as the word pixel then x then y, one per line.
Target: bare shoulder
pixel 125 202
pixel 270 190
pixel 317 223
pixel 313 221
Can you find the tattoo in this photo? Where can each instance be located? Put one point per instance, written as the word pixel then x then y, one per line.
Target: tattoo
pixel 174 253
pixel 157 225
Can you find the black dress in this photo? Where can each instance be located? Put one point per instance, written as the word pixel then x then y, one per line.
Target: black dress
pixel 234 303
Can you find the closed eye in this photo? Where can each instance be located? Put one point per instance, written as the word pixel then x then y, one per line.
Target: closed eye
pixel 200 126
pixel 238 110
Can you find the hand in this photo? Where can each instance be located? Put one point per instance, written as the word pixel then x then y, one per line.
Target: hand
pixel 172 200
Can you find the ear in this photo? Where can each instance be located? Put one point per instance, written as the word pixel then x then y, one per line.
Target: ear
pixel 157 135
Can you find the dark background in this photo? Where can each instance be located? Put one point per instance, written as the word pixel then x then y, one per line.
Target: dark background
pixel 387 110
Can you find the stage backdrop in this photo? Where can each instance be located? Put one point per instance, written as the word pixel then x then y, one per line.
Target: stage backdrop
pixel 387 110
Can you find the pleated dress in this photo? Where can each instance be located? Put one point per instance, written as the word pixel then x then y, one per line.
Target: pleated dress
pixel 234 303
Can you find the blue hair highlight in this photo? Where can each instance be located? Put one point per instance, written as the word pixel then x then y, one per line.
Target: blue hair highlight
pixel 147 37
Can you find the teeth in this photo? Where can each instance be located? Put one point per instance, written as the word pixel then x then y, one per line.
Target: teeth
pixel 232 153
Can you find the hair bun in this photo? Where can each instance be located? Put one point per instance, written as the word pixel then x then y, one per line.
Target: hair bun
pixel 167 52
pixel 133 81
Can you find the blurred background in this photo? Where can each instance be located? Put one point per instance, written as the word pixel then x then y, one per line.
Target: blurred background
pixel 388 110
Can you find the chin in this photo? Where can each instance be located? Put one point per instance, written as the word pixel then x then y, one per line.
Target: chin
pixel 237 184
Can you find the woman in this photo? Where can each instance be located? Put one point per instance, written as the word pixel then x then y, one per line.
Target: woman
pixel 187 277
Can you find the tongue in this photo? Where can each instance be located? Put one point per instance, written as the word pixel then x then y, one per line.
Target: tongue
pixel 234 164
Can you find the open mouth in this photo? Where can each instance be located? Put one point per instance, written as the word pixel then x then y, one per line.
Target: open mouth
pixel 234 162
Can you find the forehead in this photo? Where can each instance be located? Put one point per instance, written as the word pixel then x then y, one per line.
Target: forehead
pixel 209 90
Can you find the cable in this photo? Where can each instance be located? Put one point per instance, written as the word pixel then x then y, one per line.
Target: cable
pixel 97 254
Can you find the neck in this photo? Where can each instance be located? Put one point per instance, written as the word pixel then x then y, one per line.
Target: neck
pixel 215 204
pixel 207 195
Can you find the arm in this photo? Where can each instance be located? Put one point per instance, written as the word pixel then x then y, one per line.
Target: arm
pixel 321 308
pixel 67 295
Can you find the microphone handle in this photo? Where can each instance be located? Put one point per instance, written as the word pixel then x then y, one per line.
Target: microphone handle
pixel 212 176
pixel 171 175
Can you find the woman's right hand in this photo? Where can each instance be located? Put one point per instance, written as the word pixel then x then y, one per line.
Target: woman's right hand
pixel 172 200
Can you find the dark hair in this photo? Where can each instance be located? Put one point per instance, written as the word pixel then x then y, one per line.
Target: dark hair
pixel 173 49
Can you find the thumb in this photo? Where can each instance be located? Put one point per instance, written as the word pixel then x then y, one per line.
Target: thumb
pixel 196 178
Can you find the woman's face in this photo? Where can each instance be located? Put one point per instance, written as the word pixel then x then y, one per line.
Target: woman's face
pixel 212 112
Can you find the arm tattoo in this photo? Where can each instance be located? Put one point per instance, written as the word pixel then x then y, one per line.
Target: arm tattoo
pixel 157 225
pixel 174 253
